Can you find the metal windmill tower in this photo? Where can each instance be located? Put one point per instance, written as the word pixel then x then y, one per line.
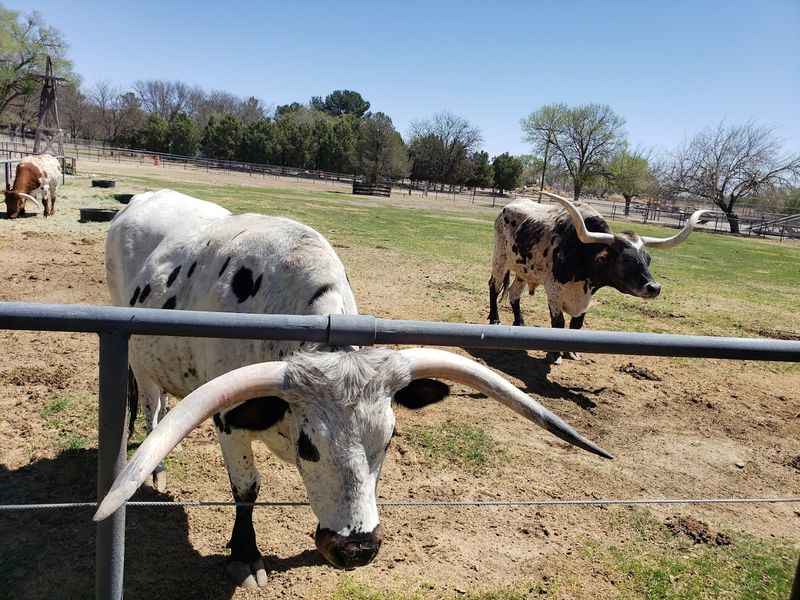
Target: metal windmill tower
pixel 49 135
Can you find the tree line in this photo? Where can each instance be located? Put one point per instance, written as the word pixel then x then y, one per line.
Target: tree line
pixel 582 149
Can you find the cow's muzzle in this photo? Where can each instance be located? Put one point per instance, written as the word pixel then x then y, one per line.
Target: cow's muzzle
pixel 651 290
pixel 349 551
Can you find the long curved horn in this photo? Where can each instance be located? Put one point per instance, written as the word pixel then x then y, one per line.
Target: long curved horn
pixel 31 198
pixel 426 362
pixel 584 235
pixel 253 381
pixel 679 237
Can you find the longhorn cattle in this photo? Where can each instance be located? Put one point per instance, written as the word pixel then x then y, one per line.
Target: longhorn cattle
pixel 327 410
pixel 33 172
pixel 570 250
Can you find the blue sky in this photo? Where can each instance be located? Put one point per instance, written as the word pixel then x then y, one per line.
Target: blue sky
pixel 669 68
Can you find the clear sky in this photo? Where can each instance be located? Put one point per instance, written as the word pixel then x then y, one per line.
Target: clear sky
pixel 669 68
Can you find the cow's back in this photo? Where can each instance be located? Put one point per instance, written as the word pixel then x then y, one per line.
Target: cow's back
pixel 140 227
pixel 243 263
pixel 47 165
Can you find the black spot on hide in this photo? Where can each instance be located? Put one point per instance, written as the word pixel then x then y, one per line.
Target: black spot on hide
pixel 173 276
pixel 527 236
pixel 170 303
pixel 191 270
pixel 421 392
pixel 321 292
pixel 306 449
pixel 225 266
pixel 145 293
pixel 135 295
pixel 243 285
pixel 257 414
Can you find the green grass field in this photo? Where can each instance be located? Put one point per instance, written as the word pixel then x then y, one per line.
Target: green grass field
pixel 712 284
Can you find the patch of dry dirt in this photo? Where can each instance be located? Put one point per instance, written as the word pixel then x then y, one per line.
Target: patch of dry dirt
pixel 695 530
pixel 679 434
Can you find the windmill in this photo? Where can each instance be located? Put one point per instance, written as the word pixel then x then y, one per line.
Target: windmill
pixel 49 135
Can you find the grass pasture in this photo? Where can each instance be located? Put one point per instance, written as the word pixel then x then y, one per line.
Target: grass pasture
pixel 688 428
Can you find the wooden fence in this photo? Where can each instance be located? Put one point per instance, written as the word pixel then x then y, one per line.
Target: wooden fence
pixel 372 189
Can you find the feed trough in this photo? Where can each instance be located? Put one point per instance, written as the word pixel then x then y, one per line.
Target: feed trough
pixel 97 214
pixel 123 198
pixel 104 183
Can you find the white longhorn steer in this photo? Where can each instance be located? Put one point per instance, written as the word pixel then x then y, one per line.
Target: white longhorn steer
pixel 326 410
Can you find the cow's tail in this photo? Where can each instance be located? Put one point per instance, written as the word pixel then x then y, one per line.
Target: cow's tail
pixel 501 293
pixel 133 401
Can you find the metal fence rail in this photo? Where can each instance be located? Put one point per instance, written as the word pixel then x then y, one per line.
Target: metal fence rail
pixel 115 325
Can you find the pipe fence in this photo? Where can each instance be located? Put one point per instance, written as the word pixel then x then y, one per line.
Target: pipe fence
pixel 115 325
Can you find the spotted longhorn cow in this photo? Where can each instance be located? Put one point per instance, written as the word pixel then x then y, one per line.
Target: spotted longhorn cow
pixel 327 410
pixel 33 172
pixel 570 250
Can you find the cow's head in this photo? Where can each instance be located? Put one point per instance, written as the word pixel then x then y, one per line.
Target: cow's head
pixel 15 203
pixel 621 260
pixel 341 410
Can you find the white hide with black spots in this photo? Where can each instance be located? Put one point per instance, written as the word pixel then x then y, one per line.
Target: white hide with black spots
pixel 169 250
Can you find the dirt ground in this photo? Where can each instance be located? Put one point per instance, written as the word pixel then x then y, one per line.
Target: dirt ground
pixel 678 428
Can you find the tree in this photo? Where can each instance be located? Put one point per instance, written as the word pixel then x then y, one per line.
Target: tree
pixel 165 98
pixel 285 109
pixel 507 171
pixel 184 136
pixel 341 102
pixel 481 171
pixel 25 42
pixel 222 137
pixel 154 135
pixel 629 174
pixel 380 150
pixel 729 163
pixel 583 138
pixel 444 144
pixel 257 142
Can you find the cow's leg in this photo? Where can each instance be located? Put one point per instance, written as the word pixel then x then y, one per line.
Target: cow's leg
pixel 245 566
pixel 574 323
pixel 556 320
pixel 46 206
pixel 154 406
pixel 52 201
pixel 498 281
pixel 514 294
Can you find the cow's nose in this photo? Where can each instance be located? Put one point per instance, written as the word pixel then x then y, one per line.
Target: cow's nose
pixel 350 551
pixel 653 289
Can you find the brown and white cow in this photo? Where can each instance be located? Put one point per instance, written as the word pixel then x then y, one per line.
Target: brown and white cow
pixel 570 250
pixel 33 172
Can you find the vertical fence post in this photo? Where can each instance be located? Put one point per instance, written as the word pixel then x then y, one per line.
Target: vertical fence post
pixel 111 457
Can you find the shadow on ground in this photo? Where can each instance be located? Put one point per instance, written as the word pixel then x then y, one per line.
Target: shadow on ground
pixel 51 553
pixel 533 372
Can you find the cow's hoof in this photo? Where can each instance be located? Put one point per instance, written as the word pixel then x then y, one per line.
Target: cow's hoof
pixel 571 355
pixel 494 321
pixel 159 481
pixel 519 323
pixel 250 576
pixel 553 358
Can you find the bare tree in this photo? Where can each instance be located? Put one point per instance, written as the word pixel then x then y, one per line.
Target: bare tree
pixel 729 163
pixel 164 98
pixel 583 138
pixel 450 140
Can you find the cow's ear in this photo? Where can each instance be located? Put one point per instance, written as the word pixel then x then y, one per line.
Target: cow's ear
pixel 421 392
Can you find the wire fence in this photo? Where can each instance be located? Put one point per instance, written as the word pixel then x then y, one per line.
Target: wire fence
pixel 114 326
pixel 587 502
